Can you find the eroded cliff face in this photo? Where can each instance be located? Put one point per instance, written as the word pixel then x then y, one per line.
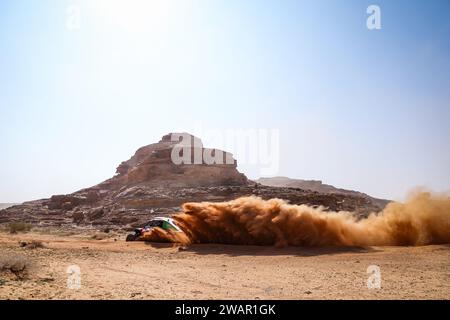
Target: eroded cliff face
pixel 154 165
pixel 152 183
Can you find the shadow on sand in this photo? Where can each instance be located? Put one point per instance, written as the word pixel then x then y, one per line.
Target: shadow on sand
pixel 245 250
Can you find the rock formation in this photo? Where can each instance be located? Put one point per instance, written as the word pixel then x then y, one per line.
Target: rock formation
pixel 317 186
pixel 153 165
pixel 150 183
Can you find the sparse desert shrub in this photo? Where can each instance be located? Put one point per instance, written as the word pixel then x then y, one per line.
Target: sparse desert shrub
pixel 33 244
pixel 15 264
pixel 15 227
pixel 99 236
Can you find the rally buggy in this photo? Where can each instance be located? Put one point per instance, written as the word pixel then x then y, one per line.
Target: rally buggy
pixel 164 223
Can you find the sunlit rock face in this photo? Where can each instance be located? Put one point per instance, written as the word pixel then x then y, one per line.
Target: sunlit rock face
pixel 154 165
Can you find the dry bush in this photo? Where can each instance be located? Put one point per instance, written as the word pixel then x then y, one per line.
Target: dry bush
pixel 99 236
pixel 33 244
pixel 15 227
pixel 16 264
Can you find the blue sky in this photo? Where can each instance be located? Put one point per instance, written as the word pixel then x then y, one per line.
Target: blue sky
pixel 362 109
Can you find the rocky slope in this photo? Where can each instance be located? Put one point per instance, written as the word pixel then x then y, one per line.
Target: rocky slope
pixel 149 184
pixel 317 186
pixel 153 166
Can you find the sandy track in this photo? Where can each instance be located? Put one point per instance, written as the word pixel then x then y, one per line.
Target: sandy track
pixel 119 270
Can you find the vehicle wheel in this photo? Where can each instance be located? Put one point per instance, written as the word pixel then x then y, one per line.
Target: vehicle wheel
pixel 130 237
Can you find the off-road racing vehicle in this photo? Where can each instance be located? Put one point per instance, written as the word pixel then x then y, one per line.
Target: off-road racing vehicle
pixel 164 223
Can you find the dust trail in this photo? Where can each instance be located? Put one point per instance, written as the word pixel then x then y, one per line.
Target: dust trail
pixel 422 220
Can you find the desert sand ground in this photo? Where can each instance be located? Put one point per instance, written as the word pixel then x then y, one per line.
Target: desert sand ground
pixel 114 269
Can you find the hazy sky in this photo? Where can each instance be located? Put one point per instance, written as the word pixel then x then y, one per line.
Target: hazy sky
pixel 357 108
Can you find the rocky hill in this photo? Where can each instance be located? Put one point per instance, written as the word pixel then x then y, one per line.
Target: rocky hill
pixel 150 183
pixel 317 186
pixel 153 166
